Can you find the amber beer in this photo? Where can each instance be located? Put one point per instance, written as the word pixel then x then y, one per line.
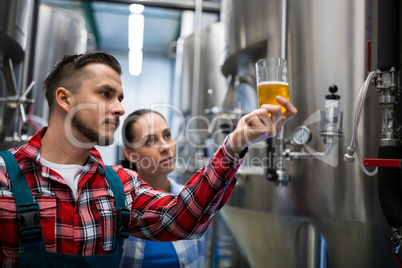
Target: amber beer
pixel 267 92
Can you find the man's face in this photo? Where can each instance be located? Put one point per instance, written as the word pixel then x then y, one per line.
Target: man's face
pixel 97 106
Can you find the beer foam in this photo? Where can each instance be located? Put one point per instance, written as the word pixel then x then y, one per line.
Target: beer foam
pixel 273 83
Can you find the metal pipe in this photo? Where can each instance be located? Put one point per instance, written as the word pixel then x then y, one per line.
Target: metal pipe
pixel 196 67
pixel 197 57
pixel 283 12
pixel 388 35
pixel 282 176
pixel 299 155
pixel 389 183
pixel 386 83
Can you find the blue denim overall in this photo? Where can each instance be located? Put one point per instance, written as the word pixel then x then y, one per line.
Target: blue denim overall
pixel 35 254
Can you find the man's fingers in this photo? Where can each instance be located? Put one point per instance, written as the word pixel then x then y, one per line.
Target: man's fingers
pixel 260 118
pixel 263 120
pixel 276 115
pixel 274 112
pixel 290 109
pixel 260 124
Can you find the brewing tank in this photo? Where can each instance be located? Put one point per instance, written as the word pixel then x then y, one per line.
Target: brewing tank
pixel 210 77
pixel 15 27
pixel 246 37
pixel 15 18
pixel 58 33
pixel 328 215
pixel 210 95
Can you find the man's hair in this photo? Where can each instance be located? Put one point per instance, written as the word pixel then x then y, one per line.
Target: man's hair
pixel 128 133
pixel 68 72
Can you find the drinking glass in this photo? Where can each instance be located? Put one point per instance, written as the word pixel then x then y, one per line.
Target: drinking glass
pixel 272 80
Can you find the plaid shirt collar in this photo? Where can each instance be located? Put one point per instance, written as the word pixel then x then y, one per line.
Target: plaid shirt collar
pixel 32 150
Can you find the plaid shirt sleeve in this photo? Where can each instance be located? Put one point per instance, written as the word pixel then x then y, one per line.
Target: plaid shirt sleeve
pixel 162 216
pixel 85 226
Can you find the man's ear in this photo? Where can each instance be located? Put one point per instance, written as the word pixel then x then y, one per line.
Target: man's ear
pixel 63 98
pixel 130 155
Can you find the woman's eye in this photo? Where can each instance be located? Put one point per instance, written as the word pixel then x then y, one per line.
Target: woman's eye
pixel 149 142
pixel 168 135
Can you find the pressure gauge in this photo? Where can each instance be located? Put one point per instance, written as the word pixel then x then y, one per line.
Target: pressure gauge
pixel 301 135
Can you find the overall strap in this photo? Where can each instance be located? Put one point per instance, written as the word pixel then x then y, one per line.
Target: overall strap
pixel 17 180
pixel 117 187
pixel 27 210
pixel 123 214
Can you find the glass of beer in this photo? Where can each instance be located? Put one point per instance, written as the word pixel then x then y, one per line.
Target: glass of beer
pixel 272 80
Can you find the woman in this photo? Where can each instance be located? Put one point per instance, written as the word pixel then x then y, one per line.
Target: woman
pixel 151 150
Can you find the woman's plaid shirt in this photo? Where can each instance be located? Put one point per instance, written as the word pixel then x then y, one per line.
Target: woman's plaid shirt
pixel 86 226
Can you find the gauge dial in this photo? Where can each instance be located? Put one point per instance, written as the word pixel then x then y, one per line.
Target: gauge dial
pixel 301 135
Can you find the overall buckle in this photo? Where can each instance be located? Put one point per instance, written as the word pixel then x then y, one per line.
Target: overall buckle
pixel 29 221
pixel 123 222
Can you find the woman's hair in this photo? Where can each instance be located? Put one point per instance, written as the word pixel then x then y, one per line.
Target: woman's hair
pixel 128 133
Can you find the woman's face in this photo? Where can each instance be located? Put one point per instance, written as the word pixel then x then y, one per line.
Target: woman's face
pixel 153 148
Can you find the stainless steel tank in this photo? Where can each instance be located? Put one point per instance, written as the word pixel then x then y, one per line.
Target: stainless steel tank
pixel 15 27
pixel 60 32
pixel 210 77
pixel 208 104
pixel 15 18
pixel 328 215
pixel 246 38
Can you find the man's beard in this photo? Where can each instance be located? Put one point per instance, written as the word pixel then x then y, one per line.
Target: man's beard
pixel 92 135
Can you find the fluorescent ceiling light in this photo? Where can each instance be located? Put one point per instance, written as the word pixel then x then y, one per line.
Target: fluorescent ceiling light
pixel 135 39
pixel 135 31
pixel 135 8
pixel 135 62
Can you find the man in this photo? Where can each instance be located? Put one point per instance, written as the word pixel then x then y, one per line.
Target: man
pixel 67 209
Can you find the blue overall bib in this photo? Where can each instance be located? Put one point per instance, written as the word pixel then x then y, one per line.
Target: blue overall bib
pixel 35 254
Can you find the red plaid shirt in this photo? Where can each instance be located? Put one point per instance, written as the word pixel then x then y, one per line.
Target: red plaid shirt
pixel 86 226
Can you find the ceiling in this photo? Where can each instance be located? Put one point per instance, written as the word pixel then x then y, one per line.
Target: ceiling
pixel 107 22
pixel 161 27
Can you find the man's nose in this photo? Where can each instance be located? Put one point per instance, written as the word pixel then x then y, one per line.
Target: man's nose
pixel 117 109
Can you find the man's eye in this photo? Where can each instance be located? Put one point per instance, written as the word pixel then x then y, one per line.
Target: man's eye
pixel 105 93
